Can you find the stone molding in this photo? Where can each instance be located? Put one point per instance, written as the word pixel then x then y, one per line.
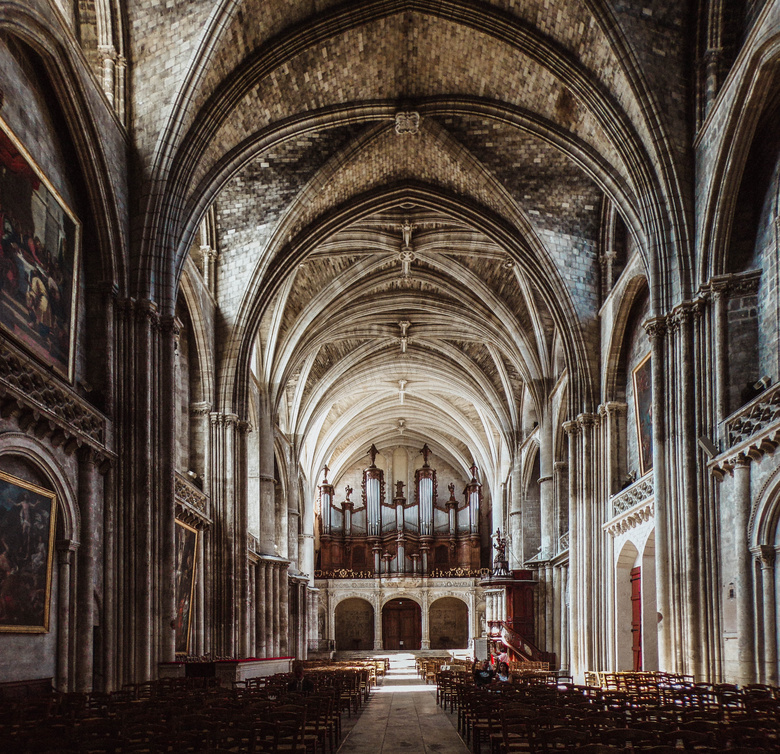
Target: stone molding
pixel 191 503
pixel 634 494
pixel 632 518
pixel 563 542
pixel 45 406
pixel 751 432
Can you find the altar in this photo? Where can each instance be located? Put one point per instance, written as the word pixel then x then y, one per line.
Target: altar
pixel 228 671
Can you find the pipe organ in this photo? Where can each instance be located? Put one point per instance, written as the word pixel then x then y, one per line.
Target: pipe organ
pixel 415 535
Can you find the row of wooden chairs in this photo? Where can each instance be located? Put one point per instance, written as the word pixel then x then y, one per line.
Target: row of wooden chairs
pixel 258 716
pixel 532 718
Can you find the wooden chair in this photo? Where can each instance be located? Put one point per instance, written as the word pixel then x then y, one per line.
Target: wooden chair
pixel 558 739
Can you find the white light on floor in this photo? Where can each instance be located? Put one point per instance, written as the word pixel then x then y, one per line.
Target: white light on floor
pixel 404 689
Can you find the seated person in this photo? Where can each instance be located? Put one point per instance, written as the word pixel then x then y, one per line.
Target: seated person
pixel 503 674
pixel 299 682
pixel 483 675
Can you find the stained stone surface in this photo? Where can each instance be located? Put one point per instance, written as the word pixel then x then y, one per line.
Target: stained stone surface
pixel 402 716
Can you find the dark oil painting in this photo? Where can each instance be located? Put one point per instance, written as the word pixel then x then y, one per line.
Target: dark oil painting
pixel 186 553
pixel 27 516
pixel 39 249
pixel 643 408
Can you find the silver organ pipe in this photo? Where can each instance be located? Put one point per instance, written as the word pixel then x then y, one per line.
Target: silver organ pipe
pixel 373 502
pixel 425 492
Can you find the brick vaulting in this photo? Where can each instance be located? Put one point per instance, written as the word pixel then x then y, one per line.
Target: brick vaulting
pixel 244 241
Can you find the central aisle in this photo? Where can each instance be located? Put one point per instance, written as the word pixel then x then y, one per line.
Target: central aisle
pixel 402 716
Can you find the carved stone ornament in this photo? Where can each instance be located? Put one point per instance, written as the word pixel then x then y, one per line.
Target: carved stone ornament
pixel 638 492
pixel 26 388
pixel 631 519
pixel 190 503
pixel 407 123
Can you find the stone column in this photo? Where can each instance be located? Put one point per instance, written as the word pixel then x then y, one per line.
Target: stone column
pixel 576 580
pixel 284 610
pixel 766 559
pixel 65 554
pixel 303 604
pixel 557 615
pixel 377 623
pixel 549 608
pixel 546 496
pixel 269 609
pixel 720 289
pixel 330 618
pixel 109 564
pixel 425 642
pixel 241 493
pixel 516 515
pixel 746 658
pixel 165 466
pixel 267 483
pixel 656 332
pixel 313 635
pixel 683 325
pixel 144 401
pixel 90 504
pixel 276 607
pixel 260 590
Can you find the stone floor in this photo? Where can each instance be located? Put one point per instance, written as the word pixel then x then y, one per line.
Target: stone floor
pixel 402 716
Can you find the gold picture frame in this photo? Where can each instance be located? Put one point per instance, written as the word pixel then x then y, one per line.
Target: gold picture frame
pixel 186 561
pixel 27 525
pixel 40 248
pixel 642 380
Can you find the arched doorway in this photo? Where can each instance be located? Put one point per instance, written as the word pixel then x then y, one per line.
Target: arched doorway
pixel 448 621
pixel 401 624
pixel 354 625
pixel 628 604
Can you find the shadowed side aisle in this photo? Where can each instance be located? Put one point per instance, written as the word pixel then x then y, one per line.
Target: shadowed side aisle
pixel 402 716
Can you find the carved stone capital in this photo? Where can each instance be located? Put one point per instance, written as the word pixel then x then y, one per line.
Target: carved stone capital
pixel 765 555
pixel 170 324
pixel 655 327
pixel 571 428
pixel 147 311
pixel 202 408
pixel 680 316
pixel 615 408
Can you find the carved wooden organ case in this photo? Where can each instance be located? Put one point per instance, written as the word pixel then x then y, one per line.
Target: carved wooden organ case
pixel 381 537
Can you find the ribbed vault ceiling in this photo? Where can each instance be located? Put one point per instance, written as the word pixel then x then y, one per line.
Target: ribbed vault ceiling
pixel 427 287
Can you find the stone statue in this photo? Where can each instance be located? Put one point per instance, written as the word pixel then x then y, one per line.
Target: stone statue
pixel 500 547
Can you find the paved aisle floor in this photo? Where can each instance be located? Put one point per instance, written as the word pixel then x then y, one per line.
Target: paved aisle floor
pixel 402 716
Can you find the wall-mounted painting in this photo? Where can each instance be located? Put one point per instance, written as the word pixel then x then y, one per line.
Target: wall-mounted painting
pixel 27 516
pixel 39 259
pixel 643 410
pixel 186 554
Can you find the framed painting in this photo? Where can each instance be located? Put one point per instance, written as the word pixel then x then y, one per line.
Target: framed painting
pixel 27 518
pixel 643 411
pixel 186 555
pixel 39 259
